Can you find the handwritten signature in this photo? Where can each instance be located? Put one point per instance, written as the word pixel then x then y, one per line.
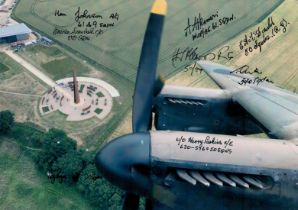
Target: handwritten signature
pixel 201 26
pixel 192 54
pixel 193 69
pixel 85 15
pixel 257 79
pixel 207 144
pixel 245 69
pixel 257 38
pixel 88 24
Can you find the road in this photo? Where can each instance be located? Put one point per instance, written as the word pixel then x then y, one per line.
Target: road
pixel 19 94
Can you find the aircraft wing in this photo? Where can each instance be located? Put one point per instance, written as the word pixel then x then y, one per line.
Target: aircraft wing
pixel 276 109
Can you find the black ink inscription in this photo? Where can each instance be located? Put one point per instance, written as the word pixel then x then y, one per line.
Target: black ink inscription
pixel 245 70
pixel 192 54
pixel 114 16
pixel 256 39
pixel 85 15
pixel 256 73
pixel 88 25
pixel 193 69
pixel 255 80
pixel 61 31
pixel 200 26
pixel 207 144
pixel 225 54
pixel 58 13
pixel 53 177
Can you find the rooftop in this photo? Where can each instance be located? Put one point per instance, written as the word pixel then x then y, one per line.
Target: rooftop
pixel 16 29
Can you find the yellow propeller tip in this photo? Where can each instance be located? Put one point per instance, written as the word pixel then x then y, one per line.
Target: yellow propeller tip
pixel 161 77
pixel 159 7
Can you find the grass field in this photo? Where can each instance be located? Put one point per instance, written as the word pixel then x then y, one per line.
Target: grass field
pixel 16 80
pixel 22 186
pixel 117 50
pixel 53 62
pixel 10 67
pixel 3 68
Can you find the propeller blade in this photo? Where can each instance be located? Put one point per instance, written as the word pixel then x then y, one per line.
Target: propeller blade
pixel 148 204
pixel 131 202
pixel 159 83
pixel 146 75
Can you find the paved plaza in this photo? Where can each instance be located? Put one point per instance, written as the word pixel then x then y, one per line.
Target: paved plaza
pixel 96 99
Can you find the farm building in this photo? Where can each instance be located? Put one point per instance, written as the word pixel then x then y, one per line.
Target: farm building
pixel 14 33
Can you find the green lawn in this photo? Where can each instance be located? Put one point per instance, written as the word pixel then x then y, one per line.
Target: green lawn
pixel 49 51
pixel 55 63
pixel 22 186
pixel 63 68
pixel 45 109
pixel 8 67
pixel 3 68
pixel 98 111
pixel 81 88
pixel 100 94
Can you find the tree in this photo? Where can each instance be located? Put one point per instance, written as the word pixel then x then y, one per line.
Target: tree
pixel 68 166
pixel 35 139
pixel 6 121
pixel 98 190
pixel 87 177
pixel 55 145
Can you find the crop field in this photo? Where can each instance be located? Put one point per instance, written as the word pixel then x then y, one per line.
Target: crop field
pixel 117 49
pixel 277 59
pixel 22 186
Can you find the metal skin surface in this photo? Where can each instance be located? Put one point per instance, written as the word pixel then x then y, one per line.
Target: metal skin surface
pixel 189 109
pixel 140 163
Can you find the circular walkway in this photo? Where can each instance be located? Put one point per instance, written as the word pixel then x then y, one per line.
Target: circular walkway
pixel 96 99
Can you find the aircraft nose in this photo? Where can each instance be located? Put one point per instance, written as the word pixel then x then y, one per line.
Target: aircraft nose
pixel 125 162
